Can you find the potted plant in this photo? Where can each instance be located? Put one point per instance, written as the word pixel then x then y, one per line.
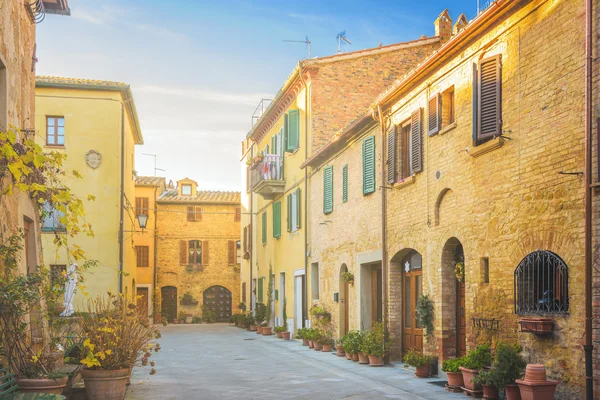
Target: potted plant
pixel 348 277
pixel 286 333
pixel 320 314
pixel 325 341
pixel 242 306
pixel 490 380
pixel 510 365
pixel 317 344
pixel 250 322
pixel 278 331
pixel 420 361
pixel 339 347
pixel 363 347
pixel 301 334
pixel 266 330
pixel 114 339
pixel 535 386
pixel 376 345
pixel 259 315
pixel 196 320
pixel 182 317
pixel 188 300
pixel 351 343
pixel 451 367
pixel 476 360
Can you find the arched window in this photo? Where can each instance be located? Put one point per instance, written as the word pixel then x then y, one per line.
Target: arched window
pixel 541 285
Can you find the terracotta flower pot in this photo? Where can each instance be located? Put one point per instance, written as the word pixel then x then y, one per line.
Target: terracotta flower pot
pixel 512 392
pixel 363 358
pixel 340 351
pixel 348 356
pixel 305 342
pixel 252 328
pixel 535 386
pixel 259 330
pixel 375 361
pixel 355 357
pixel 326 348
pixel 278 335
pixel 455 379
pixel 468 375
pixel 422 371
pixel 317 346
pixel 285 335
pixel 51 386
pixel 105 384
pixel 490 392
pixel 311 344
pixel 267 331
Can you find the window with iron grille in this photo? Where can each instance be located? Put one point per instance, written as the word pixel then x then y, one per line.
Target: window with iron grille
pixel 541 285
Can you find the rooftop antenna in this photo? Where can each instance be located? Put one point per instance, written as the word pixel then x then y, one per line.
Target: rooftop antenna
pixel 341 37
pixel 155 169
pixel 306 41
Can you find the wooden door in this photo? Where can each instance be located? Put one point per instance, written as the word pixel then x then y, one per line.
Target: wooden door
pixel 345 300
pixel 218 300
pixel 142 302
pixel 461 323
pixel 412 331
pixel 169 303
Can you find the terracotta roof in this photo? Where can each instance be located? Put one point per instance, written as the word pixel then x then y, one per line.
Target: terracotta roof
pixel 62 81
pixel 202 196
pixel 150 181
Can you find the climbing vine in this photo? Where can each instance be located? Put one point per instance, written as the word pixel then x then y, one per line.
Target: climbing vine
pixel 424 312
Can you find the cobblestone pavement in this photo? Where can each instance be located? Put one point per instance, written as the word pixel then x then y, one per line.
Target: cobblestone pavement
pixel 220 361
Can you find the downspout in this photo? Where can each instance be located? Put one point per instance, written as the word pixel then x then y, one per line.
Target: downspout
pixel 122 198
pixel 251 234
pixel 305 304
pixel 588 347
pixel 155 280
pixel 384 261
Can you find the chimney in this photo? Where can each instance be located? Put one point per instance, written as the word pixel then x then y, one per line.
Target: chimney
pixel 443 25
pixel 461 22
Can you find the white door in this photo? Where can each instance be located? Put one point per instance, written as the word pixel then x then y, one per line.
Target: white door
pixel 298 301
pixel 281 296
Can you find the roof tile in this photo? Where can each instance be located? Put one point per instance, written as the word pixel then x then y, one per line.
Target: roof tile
pixel 202 196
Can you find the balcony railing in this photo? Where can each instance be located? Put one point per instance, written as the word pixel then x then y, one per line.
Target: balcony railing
pixel 266 175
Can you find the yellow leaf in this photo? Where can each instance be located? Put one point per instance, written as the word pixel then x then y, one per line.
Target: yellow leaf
pixel 91 197
pixel 77 174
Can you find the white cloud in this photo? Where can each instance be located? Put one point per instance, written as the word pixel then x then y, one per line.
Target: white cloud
pixel 99 17
pixel 199 94
pixel 306 17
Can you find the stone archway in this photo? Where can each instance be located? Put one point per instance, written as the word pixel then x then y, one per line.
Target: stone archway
pixel 453 301
pixel 217 299
pixel 343 305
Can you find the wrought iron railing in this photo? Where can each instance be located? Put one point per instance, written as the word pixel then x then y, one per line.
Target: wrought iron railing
pixel 268 169
pixel 260 109
pixel 36 10
pixel 483 5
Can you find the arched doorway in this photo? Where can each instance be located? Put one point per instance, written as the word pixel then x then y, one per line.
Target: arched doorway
pixel 218 299
pixel 412 284
pixel 343 302
pixel 454 326
pixel 168 308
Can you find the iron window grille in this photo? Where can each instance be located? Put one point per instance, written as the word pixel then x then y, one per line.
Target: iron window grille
pixel 541 285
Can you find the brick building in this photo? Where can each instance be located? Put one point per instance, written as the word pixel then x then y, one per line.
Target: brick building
pixel 197 251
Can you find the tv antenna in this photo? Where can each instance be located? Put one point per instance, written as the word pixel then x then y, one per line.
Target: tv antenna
pixel 341 37
pixel 306 41
pixel 155 169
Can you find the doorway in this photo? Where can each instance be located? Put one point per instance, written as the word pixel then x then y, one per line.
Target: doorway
pixel 282 299
pixel 218 300
pixel 412 283
pixel 343 303
pixel 298 298
pixel 142 296
pixel 371 294
pixel 454 326
pixel 168 307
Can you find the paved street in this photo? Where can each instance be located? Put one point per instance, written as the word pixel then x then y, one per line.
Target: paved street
pixel 220 361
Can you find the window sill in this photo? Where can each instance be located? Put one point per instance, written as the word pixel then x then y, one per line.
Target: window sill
pixel 486 147
pixel 448 128
pixel 405 182
pixel 55 146
pixel 54 231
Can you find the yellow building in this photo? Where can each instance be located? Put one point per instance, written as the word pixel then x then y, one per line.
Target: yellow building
pixel 95 123
pixel 147 190
pixel 197 245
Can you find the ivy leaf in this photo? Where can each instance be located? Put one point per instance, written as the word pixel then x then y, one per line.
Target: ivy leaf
pixel 77 174
pixel 91 197
pixel 12 137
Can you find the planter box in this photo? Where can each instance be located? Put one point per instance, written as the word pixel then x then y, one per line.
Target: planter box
pixel 537 326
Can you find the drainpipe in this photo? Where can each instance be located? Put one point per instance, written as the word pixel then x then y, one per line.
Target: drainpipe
pixel 251 234
pixel 588 347
pixel 384 258
pixel 122 198
pixel 154 273
pixel 305 304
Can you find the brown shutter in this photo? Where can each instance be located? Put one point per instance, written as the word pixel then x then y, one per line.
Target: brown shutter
pixel 245 243
pixel 205 254
pixel 250 237
pixel 433 110
pixel 145 206
pixel 231 252
pixel 198 213
pixel 138 206
pixel 190 214
pixel 391 156
pixel 489 106
pixel 416 143
pixel 183 256
pixel 243 291
pixel 137 256
pixel 238 214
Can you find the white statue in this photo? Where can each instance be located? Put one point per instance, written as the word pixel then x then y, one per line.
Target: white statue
pixel 70 286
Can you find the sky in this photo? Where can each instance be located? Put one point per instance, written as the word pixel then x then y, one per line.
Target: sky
pixel 199 68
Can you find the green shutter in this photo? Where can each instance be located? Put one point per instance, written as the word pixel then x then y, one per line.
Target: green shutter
pixel 289 212
pixel 345 183
pixel 277 219
pixel 328 190
pixel 292 123
pixel 260 290
pixel 264 227
pixel 369 165
pixel 274 144
pixel 298 208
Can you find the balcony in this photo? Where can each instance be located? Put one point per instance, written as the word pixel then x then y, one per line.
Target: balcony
pixel 266 175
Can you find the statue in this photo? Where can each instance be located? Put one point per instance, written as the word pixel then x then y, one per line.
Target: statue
pixel 70 287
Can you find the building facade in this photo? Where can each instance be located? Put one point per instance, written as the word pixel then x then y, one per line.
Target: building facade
pixel 95 124
pixel 197 245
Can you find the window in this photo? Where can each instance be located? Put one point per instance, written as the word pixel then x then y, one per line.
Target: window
pixel 448 107
pixel 541 285
pixel 260 289
pixel 407 139
pixel 433 120
pixel 345 183
pixel 237 217
pixel 141 206
pixel 328 190
pixel 314 281
pixel 405 151
pixel 368 154
pixel 186 190
pixel 487 93
pixel 55 131
pixel 293 211
pixel 485 270
pixel 194 252
pixel 52 218
pixel 291 123
pixel 194 213
pixel 264 228
pixel 142 254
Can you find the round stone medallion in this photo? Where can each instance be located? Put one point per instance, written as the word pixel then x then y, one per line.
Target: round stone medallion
pixel 93 159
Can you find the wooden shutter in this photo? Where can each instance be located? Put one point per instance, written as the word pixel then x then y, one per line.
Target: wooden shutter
pixel 244 292
pixel 298 208
pixel 231 252
pixel 138 206
pixel 434 115
pixel 191 215
pixel 183 256
pixel 264 227
pixel 250 237
pixel 369 165
pixel 293 130
pixel 328 190
pixel 238 214
pixel 198 214
pixel 260 290
pixel 205 253
pixel 145 205
pixel 245 242
pixel 289 212
pixel 489 106
pixel 391 156
pixel 345 183
pixel 277 219
pixel 416 143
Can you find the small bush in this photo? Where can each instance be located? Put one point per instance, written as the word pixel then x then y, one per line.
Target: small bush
pixel 417 359
pixel 452 364
pixel 478 358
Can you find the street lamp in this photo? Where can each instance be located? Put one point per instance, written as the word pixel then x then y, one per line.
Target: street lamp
pixel 142 220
